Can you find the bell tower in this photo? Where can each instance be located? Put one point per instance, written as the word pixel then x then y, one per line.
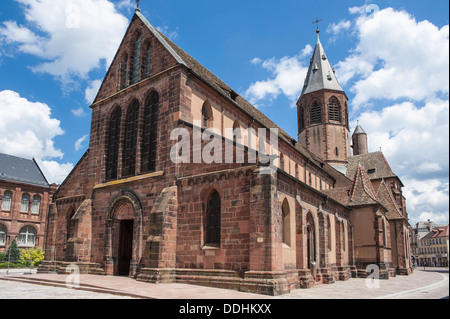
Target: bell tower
pixel 322 110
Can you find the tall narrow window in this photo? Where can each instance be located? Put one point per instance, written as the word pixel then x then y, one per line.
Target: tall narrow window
pixel 206 114
pixel 27 237
pixel 150 136
pixel 213 219
pixel 301 119
pixel 286 222
pixel 135 76
pixel 2 235
pixel 334 110
pixel 36 204
pixel 316 113
pixel 148 51
pixel 124 73
pixel 130 147
pixel 25 203
pixel 113 144
pixel 6 201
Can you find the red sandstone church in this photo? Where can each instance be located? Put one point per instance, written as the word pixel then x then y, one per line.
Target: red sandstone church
pixel 324 214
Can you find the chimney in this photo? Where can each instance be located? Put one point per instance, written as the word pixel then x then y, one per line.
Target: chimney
pixel 430 225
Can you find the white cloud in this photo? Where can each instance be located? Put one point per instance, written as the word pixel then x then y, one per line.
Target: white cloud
pixel 336 28
pixel 427 199
pixel 79 142
pixel 256 61
pixel 27 128
pixel 416 139
pixel 288 75
pixel 396 57
pixel 58 171
pixel 172 35
pixel 72 37
pixel 92 90
pixel 79 112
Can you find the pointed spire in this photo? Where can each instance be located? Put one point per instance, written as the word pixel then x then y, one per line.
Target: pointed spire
pixel 320 74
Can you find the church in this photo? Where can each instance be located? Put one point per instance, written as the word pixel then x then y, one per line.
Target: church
pixel 327 211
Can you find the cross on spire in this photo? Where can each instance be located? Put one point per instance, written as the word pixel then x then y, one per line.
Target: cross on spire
pixel 137 5
pixel 317 22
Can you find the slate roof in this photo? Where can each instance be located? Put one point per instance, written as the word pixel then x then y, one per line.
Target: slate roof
pixel 320 73
pixel 21 170
pixel 374 162
pixel 359 130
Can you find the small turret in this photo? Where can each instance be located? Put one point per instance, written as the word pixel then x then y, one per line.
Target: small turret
pixel 359 139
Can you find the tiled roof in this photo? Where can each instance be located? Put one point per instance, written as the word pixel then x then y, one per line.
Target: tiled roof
pixel 21 170
pixel 362 192
pixel 386 198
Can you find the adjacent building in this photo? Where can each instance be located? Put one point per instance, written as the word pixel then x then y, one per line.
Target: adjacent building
pixel 138 205
pixel 25 196
pixel 434 248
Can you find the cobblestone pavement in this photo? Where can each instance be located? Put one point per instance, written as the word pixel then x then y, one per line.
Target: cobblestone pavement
pixel 429 284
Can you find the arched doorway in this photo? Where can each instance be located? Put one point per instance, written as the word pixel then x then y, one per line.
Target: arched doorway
pixel 123 246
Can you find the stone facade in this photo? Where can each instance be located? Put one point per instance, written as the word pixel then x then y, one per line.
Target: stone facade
pixel 219 224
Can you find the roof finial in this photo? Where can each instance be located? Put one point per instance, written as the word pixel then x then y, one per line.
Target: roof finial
pixel 317 22
pixel 137 5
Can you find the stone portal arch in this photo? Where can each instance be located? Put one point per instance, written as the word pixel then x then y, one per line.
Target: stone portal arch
pixel 124 235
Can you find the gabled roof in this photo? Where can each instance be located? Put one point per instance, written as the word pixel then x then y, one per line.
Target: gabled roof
pixel 21 170
pixel 362 192
pixel 222 88
pixel 374 162
pixel 386 198
pixel 320 73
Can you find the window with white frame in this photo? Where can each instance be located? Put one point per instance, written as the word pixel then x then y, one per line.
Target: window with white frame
pixel 6 201
pixel 36 204
pixel 27 237
pixel 2 235
pixel 25 203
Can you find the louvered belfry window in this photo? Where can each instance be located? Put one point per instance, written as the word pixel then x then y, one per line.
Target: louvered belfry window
pixel 149 140
pixel 334 110
pixel 316 113
pixel 136 60
pixel 213 219
pixel 130 147
pixel 113 144
pixel 301 119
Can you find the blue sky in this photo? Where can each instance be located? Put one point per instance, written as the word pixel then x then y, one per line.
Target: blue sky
pixel 391 58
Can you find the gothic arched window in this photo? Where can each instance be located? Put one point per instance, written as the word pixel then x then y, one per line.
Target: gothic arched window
pixel 316 113
pixel 213 215
pixel 113 144
pixel 206 115
pixel 286 223
pixel 135 71
pixel 123 82
pixel 148 51
pixel 130 147
pixel 334 110
pixel 150 138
